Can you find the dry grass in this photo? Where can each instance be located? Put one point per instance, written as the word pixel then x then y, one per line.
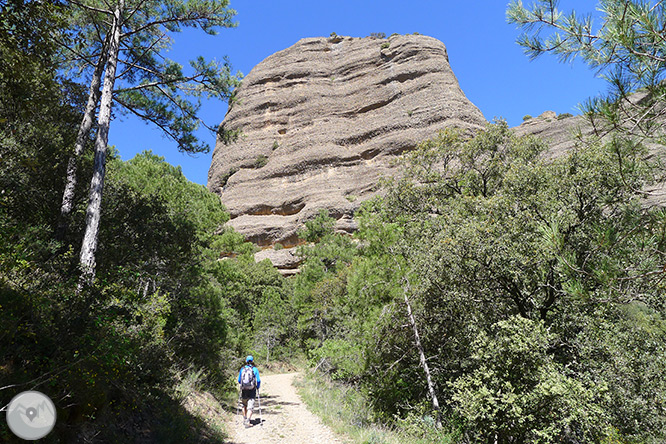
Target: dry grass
pixel 343 408
pixel 206 408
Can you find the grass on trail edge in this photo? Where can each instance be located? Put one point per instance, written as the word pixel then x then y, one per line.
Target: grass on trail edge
pixel 345 410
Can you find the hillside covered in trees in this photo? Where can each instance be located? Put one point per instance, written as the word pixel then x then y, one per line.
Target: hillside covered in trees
pixel 491 294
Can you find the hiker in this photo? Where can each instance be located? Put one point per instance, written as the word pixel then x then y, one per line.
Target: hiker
pixel 248 378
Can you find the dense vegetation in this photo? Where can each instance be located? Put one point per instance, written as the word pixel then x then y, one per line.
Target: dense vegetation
pixel 524 294
pixel 537 289
pixel 116 357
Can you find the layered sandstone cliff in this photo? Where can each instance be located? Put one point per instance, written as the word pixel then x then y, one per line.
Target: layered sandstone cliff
pixel 320 124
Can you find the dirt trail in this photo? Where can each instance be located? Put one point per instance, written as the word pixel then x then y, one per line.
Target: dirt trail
pixel 285 419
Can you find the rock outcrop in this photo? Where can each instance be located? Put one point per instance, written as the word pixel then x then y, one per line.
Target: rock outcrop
pixel 559 132
pixel 285 259
pixel 562 132
pixel 321 122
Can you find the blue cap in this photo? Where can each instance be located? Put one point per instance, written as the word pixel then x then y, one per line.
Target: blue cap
pixel 249 359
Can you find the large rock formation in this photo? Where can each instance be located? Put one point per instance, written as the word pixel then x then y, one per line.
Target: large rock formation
pixel 321 122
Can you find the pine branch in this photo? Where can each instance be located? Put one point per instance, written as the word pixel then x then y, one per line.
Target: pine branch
pixel 184 111
pixel 141 68
pixel 147 117
pixel 167 82
pixel 91 8
pixel 79 56
pixel 167 131
pixel 644 275
pixel 194 16
pixel 135 10
pixel 145 52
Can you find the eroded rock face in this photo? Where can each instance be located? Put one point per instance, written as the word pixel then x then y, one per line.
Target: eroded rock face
pixel 558 132
pixel 322 121
pixel 285 260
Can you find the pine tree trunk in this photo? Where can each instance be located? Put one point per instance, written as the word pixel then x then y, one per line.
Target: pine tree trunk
pixel 90 238
pixel 422 357
pixel 84 130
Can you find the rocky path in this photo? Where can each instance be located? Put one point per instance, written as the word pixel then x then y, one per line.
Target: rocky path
pixel 284 418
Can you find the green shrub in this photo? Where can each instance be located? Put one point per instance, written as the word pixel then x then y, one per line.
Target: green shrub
pixel 318 227
pixel 116 348
pixel 516 389
pixel 225 177
pixel 526 117
pixel 385 45
pixel 229 136
pixel 231 242
pixel 564 116
pixel 343 358
pixel 260 161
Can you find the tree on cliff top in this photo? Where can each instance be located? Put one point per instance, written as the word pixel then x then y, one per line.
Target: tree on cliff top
pixel 122 44
pixel 628 48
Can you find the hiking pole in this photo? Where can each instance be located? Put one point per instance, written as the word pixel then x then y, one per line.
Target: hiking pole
pixel 261 418
pixel 238 404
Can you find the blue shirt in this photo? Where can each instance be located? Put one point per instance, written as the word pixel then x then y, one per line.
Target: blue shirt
pixel 256 375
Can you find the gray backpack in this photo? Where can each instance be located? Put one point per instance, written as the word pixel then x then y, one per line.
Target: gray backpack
pixel 248 380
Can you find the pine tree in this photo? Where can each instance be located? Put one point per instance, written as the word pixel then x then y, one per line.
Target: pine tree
pixel 121 44
pixel 628 48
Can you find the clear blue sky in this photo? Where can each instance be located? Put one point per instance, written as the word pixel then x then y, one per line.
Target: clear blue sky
pixel 492 70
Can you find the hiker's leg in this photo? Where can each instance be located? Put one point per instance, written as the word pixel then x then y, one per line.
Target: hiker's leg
pixel 244 400
pixel 250 408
